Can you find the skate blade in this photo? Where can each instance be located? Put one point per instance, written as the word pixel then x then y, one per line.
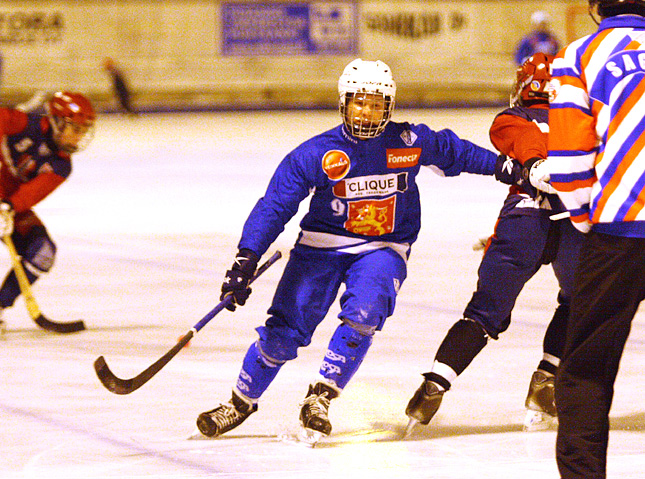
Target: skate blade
pixel 309 437
pixel 197 435
pixel 412 423
pixel 538 421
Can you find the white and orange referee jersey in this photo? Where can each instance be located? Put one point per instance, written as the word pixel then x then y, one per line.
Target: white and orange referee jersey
pixel 597 128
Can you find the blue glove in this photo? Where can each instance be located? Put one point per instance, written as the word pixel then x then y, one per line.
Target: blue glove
pixel 236 282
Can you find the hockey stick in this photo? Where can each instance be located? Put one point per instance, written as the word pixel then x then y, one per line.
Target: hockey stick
pixel 560 216
pixel 30 301
pixel 126 386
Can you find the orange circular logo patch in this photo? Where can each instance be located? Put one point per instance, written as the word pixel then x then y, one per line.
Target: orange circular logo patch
pixel 335 164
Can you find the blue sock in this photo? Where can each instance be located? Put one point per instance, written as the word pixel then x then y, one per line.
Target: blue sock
pixel 256 374
pixel 345 353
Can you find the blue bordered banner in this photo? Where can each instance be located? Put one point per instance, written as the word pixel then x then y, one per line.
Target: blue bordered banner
pixel 289 28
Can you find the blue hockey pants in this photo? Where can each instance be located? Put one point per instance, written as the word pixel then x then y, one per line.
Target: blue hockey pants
pixel 307 289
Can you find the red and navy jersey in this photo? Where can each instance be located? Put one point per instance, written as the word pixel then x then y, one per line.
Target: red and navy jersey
pixel 31 166
pixel 522 133
pixel 365 194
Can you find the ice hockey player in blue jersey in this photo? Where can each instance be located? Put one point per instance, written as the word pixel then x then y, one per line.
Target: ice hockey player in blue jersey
pixel 363 217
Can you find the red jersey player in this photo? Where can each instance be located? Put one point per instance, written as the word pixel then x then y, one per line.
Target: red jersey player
pixel 35 158
pixel 527 235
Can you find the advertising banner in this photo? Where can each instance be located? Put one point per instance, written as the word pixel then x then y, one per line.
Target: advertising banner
pixel 29 27
pixel 429 32
pixel 289 28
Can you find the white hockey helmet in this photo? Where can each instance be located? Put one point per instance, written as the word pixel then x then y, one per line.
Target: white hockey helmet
pixel 361 80
pixel 540 17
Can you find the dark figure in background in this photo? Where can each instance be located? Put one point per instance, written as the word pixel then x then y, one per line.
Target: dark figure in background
pixel 121 89
pixel 528 234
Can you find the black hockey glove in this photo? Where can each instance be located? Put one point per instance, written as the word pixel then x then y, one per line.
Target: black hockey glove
pixel 237 278
pixel 508 171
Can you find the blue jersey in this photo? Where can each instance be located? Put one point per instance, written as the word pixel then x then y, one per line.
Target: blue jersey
pixel 536 42
pixel 365 194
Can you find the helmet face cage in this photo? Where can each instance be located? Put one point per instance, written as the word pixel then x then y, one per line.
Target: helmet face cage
pixel 366 97
pixel 365 114
pixel 532 81
pixel 67 110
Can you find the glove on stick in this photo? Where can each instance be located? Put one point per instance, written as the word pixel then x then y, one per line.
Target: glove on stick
pixel 236 282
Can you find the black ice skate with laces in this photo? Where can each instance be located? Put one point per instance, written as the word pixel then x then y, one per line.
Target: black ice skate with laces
pixel 314 413
pixel 225 417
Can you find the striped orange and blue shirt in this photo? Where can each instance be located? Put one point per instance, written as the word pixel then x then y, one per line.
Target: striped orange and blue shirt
pixel 597 128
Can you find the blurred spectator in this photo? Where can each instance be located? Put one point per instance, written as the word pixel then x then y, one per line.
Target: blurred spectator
pixel 540 39
pixel 119 84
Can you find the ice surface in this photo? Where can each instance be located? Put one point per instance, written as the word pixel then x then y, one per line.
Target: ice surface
pixel 146 227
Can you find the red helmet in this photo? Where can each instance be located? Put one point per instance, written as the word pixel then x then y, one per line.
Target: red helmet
pixel 72 107
pixel 65 108
pixel 531 84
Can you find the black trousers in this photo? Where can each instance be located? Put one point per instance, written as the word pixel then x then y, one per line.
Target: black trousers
pixel 609 286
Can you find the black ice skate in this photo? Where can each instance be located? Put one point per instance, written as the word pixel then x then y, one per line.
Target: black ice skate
pixel 225 417
pixel 423 405
pixel 313 414
pixel 540 402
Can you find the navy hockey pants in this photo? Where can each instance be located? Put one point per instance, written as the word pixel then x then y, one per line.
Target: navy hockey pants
pixel 36 249
pixel 523 241
pixel 309 286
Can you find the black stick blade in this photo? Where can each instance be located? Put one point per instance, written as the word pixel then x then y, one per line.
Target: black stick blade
pixel 126 386
pixel 109 380
pixel 62 328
